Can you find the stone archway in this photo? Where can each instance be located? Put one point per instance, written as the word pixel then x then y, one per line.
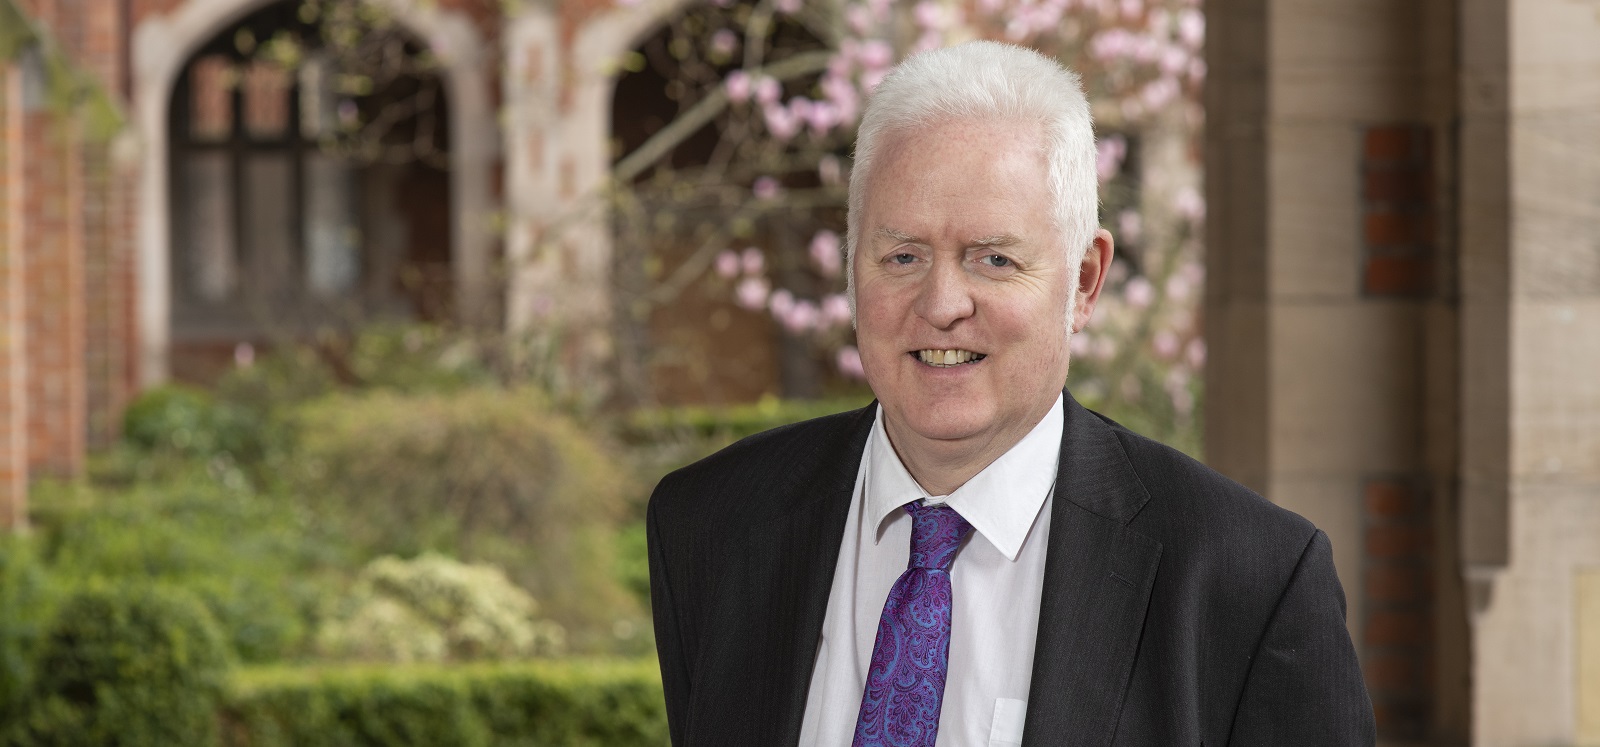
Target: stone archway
pixel 162 44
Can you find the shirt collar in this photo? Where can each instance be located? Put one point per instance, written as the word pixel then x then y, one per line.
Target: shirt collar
pixel 1000 502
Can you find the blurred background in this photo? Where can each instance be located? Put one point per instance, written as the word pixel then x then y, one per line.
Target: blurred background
pixel 342 341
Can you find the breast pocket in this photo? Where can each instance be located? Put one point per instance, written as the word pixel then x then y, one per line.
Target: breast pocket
pixel 1006 729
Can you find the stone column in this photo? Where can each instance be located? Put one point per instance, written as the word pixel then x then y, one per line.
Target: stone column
pixel 1531 352
pixel 1329 310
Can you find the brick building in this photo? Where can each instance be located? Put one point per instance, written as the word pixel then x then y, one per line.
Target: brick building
pixel 1403 310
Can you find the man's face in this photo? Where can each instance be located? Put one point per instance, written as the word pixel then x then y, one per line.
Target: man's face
pixel 962 284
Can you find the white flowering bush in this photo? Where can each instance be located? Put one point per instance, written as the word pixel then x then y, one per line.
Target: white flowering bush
pixel 433 608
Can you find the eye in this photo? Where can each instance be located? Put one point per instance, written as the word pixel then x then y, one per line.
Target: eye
pixel 903 258
pixel 997 260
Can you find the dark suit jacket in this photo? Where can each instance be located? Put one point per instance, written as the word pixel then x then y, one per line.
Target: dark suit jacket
pixel 1179 608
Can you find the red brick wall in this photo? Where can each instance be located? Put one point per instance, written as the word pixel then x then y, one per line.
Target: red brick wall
pixel 13 360
pixel 1397 212
pixel 67 262
pixel 1397 588
pixel 52 235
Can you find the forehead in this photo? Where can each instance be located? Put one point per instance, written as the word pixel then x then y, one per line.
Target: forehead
pixel 987 176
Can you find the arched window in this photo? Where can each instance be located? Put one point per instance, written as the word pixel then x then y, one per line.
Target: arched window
pixel 309 180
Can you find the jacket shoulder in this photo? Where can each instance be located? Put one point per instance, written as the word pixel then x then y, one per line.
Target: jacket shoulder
pixel 1195 510
pixel 756 473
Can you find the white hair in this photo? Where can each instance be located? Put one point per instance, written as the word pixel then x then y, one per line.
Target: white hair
pixel 987 80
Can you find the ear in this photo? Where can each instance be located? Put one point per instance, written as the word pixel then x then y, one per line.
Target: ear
pixel 1091 278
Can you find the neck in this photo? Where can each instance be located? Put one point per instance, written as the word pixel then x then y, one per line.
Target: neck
pixel 943 466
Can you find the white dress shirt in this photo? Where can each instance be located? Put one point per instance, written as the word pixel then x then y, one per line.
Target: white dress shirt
pixel 995 580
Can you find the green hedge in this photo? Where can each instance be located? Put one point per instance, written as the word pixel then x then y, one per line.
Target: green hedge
pixel 125 666
pixel 570 703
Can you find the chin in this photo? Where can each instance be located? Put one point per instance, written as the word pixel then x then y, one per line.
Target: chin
pixel 946 424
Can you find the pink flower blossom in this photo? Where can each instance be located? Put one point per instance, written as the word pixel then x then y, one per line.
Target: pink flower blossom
pixel 727 263
pixel 724 42
pixel 781 303
pixel 1139 293
pixel 825 253
pixel 1131 8
pixel 1165 344
pixel 871 78
pixel 768 90
pixel 1109 153
pixel 1195 353
pixel 829 170
pixel 766 188
pixel 1081 344
pixel 781 122
pixel 738 85
pixel 1131 225
pixel 801 317
pixel 1174 60
pixel 787 7
pixel 1159 92
pixel 928 15
pixel 1189 204
pixel 1178 287
pixel 1191 27
pixel 848 361
pixel 752 261
pixel 835 310
pixel 751 293
pixel 859 18
pixel 876 54
pixel 244 355
pixel 1105 348
pixel 822 117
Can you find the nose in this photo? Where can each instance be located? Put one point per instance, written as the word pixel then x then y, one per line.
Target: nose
pixel 944 297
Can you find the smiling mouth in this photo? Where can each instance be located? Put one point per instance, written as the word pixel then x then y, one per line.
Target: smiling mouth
pixel 947 358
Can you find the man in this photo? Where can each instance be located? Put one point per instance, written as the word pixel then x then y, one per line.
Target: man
pixel 976 559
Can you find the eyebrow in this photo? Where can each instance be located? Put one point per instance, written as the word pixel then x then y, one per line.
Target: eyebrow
pixel 999 239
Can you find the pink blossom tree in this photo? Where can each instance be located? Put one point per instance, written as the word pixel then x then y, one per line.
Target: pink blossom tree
pixel 750 149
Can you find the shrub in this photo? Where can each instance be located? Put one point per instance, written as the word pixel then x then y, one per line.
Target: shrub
pixel 434 608
pixel 575 703
pixel 25 602
pixel 483 474
pixel 252 561
pixel 180 420
pixel 127 666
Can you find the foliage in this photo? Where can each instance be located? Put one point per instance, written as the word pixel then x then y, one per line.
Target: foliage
pixel 484 474
pixel 188 422
pixel 434 608
pixel 26 599
pixel 254 562
pixel 131 665
pixel 573 702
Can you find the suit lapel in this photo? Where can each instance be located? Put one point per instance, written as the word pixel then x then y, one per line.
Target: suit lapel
pixel 1097 581
pixel 785 582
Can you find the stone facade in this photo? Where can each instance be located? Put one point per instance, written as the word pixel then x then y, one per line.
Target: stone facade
pixel 1402 326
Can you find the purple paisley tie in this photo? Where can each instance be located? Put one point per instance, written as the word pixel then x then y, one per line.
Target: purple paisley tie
pixel 905 684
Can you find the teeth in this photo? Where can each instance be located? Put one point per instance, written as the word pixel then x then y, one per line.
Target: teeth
pixel 947 357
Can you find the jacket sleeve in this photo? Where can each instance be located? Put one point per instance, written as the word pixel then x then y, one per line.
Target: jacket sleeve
pixel 669 640
pixel 1305 685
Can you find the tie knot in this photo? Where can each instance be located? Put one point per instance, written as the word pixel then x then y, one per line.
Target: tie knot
pixel 936 533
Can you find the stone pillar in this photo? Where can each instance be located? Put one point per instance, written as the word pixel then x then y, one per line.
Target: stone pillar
pixel 1329 312
pixel 1530 335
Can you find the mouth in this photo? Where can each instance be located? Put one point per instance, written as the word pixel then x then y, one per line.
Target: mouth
pixel 947 358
